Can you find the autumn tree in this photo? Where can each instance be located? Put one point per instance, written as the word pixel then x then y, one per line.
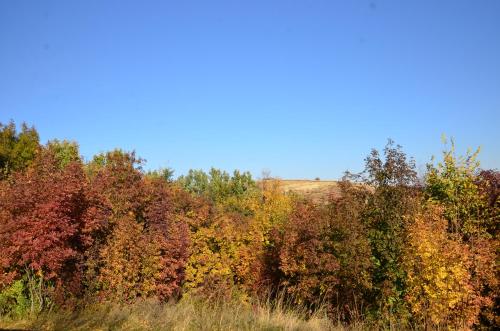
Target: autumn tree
pixel 219 261
pixel 439 286
pixel 470 208
pixel 144 247
pixel 324 254
pixel 488 182
pixel 127 259
pixel 307 256
pixel 352 249
pixel 231 250
pixel 167 216
pixel 271 210
pixel 47 223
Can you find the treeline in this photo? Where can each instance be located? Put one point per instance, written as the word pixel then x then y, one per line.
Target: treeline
pixel 393 249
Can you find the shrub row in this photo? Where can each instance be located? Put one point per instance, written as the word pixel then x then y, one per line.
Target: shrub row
pixel 393 248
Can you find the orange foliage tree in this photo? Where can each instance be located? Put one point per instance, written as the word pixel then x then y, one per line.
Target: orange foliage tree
pixel 439 287
pixel 307 256
pixel 144 246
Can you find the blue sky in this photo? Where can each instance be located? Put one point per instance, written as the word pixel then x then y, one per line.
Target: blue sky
pixel 302 88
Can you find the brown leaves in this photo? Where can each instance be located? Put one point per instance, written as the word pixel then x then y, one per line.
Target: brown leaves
pixel 307 257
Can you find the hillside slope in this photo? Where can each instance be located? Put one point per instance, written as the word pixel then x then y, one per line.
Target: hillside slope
pixel 315 189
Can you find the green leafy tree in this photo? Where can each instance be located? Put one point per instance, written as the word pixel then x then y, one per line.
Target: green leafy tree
pixel 393 200
pixel 64 151
pixel 217 185
pixel 17 150
pixel 14 301
pixel 452 183
pixel 196 182
pixel 166 174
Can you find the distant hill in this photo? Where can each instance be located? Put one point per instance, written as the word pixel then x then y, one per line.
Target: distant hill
pixel 315 189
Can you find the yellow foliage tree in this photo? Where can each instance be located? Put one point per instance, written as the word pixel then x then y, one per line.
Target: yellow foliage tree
pixel 439 289
pixel 215 255
pixel 228 249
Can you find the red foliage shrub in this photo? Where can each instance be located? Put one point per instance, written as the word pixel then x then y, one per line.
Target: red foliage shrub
pixel 144 247
pixel 117 176
pixel 48 219
pixel 167 225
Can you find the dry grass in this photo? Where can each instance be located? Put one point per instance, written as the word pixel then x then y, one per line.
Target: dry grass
pixel 317 190
pixel 185 315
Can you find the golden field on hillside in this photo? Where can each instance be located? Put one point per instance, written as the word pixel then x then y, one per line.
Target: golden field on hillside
pixel 315 189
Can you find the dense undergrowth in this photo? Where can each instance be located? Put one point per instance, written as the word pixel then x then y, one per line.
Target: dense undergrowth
pixel 104 244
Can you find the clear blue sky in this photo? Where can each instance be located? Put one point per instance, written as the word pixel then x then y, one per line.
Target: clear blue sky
pixel 303 88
